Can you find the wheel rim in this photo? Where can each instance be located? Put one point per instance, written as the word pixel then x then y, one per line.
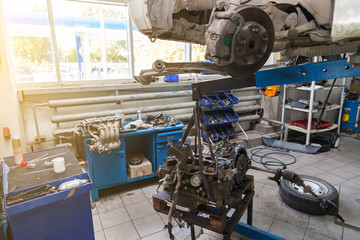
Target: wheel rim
pixel 317 187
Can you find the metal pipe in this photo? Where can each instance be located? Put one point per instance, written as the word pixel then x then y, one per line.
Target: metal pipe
pixel 249 118
pixel 67 131
pixel 180 114
pixel 38 141
pixel 245 89
pixel 244 109
pixel 81 116
pixel 114 99
pixel 273 121
pixel 249 98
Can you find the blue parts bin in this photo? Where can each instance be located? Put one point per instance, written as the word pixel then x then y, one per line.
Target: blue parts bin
pixel 350 115
pixel 220 116
pixel 219 101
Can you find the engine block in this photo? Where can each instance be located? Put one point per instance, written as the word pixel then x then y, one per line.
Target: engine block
pixel 181 176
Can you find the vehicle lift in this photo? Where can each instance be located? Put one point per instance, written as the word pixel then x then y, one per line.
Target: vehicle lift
pixel 272 77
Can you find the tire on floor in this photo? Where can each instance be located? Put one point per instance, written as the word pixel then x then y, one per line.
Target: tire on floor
pixel 293 196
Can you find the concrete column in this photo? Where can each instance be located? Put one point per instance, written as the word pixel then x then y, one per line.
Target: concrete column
pixel 10 113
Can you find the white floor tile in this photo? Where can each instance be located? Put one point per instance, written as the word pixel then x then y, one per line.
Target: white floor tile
pixel 97 223
pixel 140 209
pixel 133 196
pixel 121 232
pixel 287 231
pixel 114 217
pixel 109 202
pixel 149 225
pixel 100 235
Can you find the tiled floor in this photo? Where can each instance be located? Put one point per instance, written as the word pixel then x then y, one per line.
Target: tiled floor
pixel 126 212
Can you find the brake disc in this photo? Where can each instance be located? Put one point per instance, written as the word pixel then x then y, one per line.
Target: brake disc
pixel 245 50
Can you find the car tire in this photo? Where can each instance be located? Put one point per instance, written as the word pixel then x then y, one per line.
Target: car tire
pixel 294 197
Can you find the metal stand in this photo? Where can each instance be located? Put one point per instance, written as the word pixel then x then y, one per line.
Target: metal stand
pixel 211 217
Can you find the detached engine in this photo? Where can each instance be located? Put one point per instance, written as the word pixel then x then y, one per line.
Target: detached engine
pixel 189 186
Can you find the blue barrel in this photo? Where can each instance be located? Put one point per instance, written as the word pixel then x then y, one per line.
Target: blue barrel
pixel 350 114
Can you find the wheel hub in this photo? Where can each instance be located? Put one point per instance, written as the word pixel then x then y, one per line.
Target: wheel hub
pixel 251 43
pixel 318 188
pixel 240 39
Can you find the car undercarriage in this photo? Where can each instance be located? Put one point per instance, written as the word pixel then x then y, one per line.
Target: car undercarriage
pixel 240 35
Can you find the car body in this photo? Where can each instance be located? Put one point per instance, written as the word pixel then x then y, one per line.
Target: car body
pixel 240 34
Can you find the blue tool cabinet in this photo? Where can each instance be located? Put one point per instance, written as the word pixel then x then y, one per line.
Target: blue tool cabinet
pixel 110 169
pixel 61 215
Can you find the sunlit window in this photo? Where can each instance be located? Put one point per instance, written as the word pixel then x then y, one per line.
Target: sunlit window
pixel 92 40
pixel 198 52
pixel 146 52
pixel 30 40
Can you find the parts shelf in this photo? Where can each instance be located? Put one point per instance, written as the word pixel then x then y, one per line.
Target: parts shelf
pixel 310 112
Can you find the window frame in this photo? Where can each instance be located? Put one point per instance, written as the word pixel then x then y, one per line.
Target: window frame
pixel 87 82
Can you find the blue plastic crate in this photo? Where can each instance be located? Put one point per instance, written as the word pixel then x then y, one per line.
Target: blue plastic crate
pixel 225 131
pixel 233 98
pixel 231 130
pixel 208 114
pixel 221 117
pixel 220 132
pixel 211 132
pixel 225 98
pixel 215 101
pixel 206 102
pixel 231 115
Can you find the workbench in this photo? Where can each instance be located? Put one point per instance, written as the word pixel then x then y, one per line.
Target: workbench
pixel 58 215
pixel 110 168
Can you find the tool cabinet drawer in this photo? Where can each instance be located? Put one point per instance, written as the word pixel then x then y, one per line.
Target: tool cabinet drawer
pixel 165 136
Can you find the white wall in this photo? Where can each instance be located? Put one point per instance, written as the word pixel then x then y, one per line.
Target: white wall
pixel 10 114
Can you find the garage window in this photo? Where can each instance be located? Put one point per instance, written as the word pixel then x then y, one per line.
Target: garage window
pixel 93 42
pixel 30 40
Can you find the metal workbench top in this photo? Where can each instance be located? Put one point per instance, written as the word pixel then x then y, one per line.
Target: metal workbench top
pixel 18 178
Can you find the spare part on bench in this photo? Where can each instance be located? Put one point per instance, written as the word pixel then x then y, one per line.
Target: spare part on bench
pixel 105 132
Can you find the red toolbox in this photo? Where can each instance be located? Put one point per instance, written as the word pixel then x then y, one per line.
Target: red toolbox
pixel 304 124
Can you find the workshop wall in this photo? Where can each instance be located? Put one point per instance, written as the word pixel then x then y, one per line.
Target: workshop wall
pixel 10 114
